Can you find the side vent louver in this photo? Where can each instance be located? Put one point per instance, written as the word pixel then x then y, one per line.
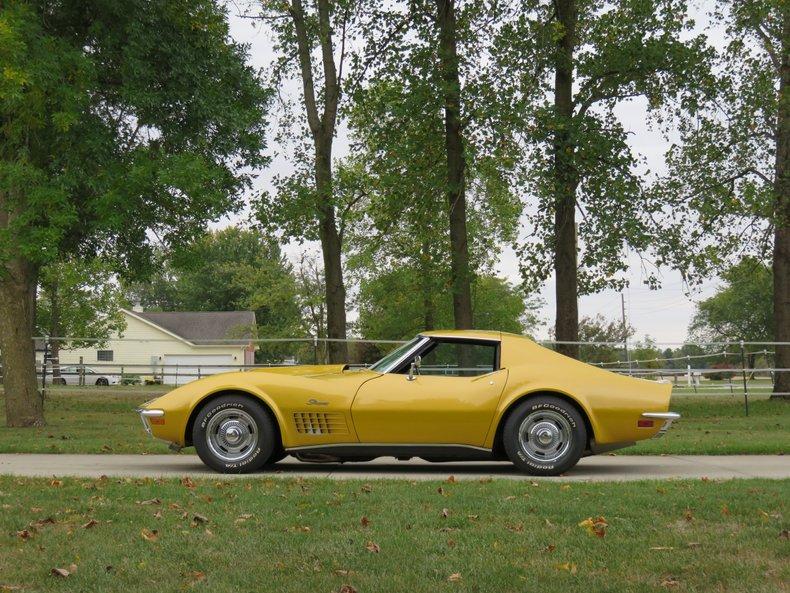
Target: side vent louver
pixel 320 423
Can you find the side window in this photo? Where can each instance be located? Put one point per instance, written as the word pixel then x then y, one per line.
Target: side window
pixel 459 359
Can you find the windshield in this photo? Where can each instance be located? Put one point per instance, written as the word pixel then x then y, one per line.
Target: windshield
pixel 385 364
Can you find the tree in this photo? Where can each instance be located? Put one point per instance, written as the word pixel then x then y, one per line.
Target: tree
pixel 608 334
pixel 314 42
pixel 741 309
pixel 122 121
pixel 231 269
pixel 433 163
pixel 730 171
pixel 77 298
pixel 391 306
pixel 589 58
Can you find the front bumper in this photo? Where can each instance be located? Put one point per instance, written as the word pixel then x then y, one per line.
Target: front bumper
pixel 667 417
pixel 145 414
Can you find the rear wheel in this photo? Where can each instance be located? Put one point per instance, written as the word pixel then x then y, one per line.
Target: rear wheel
pixel 234 434
pixel 545 436
pixel 102 382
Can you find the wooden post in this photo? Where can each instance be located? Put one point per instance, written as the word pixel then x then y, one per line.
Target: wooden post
pixel 745 389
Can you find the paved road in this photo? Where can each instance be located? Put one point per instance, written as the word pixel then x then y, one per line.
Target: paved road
pixel 600 468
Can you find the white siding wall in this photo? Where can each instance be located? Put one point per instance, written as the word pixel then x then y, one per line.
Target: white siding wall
pixel 142 344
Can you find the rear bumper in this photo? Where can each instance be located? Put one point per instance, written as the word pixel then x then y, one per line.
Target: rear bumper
pixel 667 417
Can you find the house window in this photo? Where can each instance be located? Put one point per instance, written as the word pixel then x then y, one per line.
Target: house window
pixel 104 355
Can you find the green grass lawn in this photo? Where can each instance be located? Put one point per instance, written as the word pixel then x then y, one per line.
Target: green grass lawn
pixel 392 536
pixel 101 420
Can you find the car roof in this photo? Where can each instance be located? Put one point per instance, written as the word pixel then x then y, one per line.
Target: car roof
pixel 479 334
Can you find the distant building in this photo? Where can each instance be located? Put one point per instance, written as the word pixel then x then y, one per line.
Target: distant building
pixel 174 347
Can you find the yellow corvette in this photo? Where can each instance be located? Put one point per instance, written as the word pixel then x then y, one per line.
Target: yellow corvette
pixel 444 396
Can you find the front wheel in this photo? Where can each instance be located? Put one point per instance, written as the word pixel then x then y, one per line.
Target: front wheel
pixel 545 436
pixel 234 434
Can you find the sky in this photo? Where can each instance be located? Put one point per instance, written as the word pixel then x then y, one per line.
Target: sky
pixel 662 314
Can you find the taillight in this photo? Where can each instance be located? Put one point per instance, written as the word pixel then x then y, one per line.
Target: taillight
pixel 645 423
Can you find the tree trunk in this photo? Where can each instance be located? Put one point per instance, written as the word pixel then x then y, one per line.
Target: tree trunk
pixel 781 265
pixel 24 405
pixel 565 254
pixel 333 263
pixel 322 129
pixel 456 191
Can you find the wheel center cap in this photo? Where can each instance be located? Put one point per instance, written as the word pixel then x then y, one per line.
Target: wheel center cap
pixel 545 435
pixel 233 434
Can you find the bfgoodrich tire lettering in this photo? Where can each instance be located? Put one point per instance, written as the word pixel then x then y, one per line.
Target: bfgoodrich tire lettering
pixel 234 434
pixel 544 436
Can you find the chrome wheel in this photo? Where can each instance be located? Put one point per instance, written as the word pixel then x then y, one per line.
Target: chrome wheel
pixel 231 434
pixel 545 436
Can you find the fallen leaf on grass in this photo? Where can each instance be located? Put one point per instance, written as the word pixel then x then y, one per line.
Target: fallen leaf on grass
pixel 63 572
pixel 450 480
pixel 56 483
pixel 42 522
pixel 373 547
pixel 595 526
pixel 198 519
pixel 150 501
pixel 486 480
pixel 367 488
pixel 517 528
pixel 550 548
pixel 195 577
pixel 687 515
pixel 364 521
pixel 24 534
pixel 693 545
pixel 243 518
pixel 150 535
pixel 725 510
pixel 784 534
pixel 569 566
pixel 187 482
pixel 346 589
pixel 455 577
pixel 670 582
pixel 90 524
pixel 440 490
pixel 445 513
pixel 5 587
pixel 660 548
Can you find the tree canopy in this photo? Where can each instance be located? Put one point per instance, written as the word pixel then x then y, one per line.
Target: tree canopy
pixel 121 122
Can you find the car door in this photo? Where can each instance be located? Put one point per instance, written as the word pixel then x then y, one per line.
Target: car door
pixel 450 400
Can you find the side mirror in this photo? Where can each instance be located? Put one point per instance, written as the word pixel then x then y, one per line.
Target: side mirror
pixel 414 368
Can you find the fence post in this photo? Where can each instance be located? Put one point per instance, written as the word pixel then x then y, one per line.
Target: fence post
pixel 198 371
pixel 44 370
pixel 176 374
pixel 745 389
pixel 81 374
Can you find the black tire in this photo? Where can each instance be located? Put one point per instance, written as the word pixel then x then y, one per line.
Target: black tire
pixel 546 414
pixel 102 382
pixel 253 419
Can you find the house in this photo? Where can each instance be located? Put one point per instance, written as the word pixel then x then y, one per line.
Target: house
pixel 174 346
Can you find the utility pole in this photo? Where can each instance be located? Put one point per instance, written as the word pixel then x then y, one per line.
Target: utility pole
pixel 625 333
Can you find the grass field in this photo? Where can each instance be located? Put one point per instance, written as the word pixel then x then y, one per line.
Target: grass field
pixel 392 536
pixel 101 420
